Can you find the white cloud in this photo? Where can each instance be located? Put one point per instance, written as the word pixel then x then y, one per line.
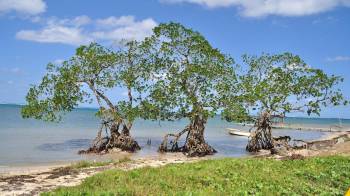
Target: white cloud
pixel 339 58
pixel 74 22
pixel 125 27
pixel 115 21
pixel 207 3
pixel 80 20
pixel 28 7
pixel 82 29
pixel 260 8
pixel 54 34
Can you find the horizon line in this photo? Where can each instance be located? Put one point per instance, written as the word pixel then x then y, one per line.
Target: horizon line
pixel 95 108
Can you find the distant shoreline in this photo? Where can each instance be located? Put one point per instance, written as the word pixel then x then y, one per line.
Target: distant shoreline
pixel 288 117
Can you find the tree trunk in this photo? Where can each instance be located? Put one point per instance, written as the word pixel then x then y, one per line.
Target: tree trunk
pixel 125 142
pixel 262 137
pixel 195 144
pixel 116 139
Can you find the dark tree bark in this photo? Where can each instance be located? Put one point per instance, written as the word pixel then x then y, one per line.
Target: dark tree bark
pixel 122 140
pixel 195 144
pixel 125 142
pixel 261 138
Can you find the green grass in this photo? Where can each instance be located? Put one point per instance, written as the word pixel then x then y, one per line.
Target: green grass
pixel 314 176
pixel 86 164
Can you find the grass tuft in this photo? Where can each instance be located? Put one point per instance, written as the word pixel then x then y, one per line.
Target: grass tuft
pixel 86 164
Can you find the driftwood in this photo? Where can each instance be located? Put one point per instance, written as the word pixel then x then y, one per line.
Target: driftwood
pixel 282 139
pixel 320 144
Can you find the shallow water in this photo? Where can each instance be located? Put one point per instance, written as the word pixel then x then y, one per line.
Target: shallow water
pixel 31 142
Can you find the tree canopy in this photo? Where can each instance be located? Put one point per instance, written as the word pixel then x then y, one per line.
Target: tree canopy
pixel 189 71
pixel 90 74
pixel 284 83
pixel 279 84
pixel 189 74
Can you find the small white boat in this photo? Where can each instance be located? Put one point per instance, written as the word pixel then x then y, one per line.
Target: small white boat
pixel 238 132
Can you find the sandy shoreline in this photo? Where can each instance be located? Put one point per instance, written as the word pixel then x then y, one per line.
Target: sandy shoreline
pixel 39 167
pixel 33 180
pixel 303 127
pixel 29 169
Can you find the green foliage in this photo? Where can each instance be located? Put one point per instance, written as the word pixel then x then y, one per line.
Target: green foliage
pixel 281 84
pixel 133 73
pixel 187 73
pixel 314 176
pixel 92 72
pixel 62 88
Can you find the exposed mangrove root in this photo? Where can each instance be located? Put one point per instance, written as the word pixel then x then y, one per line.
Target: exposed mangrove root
pixel 172 145
pixel 194 145
pixel 122 141
pixel 261 138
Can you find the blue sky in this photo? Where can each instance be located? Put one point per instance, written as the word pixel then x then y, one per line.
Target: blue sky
pixel 35 32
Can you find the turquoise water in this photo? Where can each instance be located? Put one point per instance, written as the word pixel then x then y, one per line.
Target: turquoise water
pixel 28 141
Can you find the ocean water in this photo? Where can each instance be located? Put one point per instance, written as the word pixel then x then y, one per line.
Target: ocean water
pixel 33 142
